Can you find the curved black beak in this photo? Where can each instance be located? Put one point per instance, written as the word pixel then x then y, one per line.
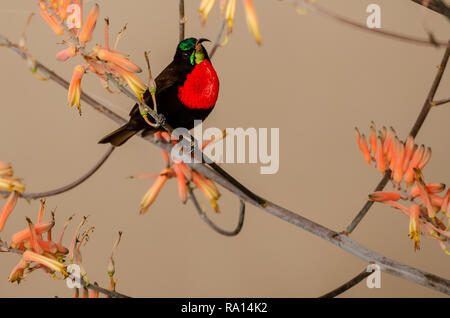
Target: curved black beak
pixel 203 40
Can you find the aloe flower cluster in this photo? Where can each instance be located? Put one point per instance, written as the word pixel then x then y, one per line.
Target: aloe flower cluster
pixel 426 204
pixel 228 11
pixel 184 175
pixel 65 17
pixel 40 251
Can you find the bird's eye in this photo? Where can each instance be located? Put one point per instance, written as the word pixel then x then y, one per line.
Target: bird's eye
pixel 186 54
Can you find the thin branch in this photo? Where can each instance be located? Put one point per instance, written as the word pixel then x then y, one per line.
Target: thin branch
pixel 216 44
pixel 314 7
pixel 182 19
pixel 366 207
pixel 205 218
pixel 71 185
pixel 438 6
pixel 351 283
pixel 4 248
pixel 387 265
pixel 441 101
pixel 428 104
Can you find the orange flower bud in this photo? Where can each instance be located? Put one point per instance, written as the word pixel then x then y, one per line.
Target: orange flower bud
pixel 74 94
pixel 230 12
pixel 252 20
pixel 67 53
pixel 153 192
pixel 381 196
pixel 110 56
pixel 7 209
pixel 379 157
pixel 205 8
pixel 52 22
pixel 26 234
pixel 89 26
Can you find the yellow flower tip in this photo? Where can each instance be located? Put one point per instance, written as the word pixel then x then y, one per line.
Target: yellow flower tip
pixel 11 184
pixel 74 93
pixel 154 190
pixel 17 272
pixel 414 229
pixel 89 26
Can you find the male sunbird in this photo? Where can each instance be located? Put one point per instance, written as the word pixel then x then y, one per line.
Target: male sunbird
pixel 186 90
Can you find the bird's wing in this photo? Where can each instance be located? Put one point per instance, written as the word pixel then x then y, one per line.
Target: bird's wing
pixel 166 79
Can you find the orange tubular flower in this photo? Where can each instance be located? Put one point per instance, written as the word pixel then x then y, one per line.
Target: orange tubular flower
pixel 373 139
pixel 7 209
pixel 66 54
pixel 409 150
pixel 89 26
pixel 11 184
pixel 23 235
pixel 414 230
pixel 229 14
pixel 381 196
pixel 133 82
pixel 205 8
pixel 17 272
pixel 252 20
pixel 153 192
pixel 74 93
pixel 48 262
pixel 52 22
pixel 181 179
pixel 207 187
pixel 379 157
pixel 114 57
pixel 424 196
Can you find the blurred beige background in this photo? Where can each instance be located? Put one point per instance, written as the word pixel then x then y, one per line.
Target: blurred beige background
pixel 312 77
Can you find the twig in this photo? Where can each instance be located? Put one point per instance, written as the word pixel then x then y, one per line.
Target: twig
pixel 216 44
pixel 205 218
pixel 387 265
pixel 182 21
pixel 71 185
pixel 314 7
pixel 414 131
pixel 441 101
pixel 441 8
pixel 351 283
pixel 113 294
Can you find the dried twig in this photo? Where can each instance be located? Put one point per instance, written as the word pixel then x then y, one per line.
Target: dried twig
pixel 351 283
pixel 315 8
pixel 71 185
pixel 205 218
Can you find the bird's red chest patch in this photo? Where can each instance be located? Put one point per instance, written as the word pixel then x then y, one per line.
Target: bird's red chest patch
pixel 201 88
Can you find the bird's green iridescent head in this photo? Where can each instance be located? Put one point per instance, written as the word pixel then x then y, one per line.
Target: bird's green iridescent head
pixel 192 51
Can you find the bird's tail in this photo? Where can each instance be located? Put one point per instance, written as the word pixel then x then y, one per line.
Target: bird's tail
pixel 120 136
